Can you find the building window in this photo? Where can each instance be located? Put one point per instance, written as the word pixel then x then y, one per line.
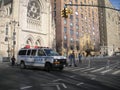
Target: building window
pixel 81 3
pixel 77 34
pixel 71 17
pixel 71 32
pixel 33 9
pixel 38 43
pixel 77 20
pixel 29 42
pixel 76 1
pixel 85 1
pixel 70 2
pixel 76 8
pixel 77 27
pixel 65 45
pixel 81 15
pixel 71 24
pixel 65 29
pixel 65 38
pixel 76 13
pixel 71 40
pixel 65 21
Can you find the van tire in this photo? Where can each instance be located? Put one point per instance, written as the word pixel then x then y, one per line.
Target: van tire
pixel 48 67
pixel 22 65
pixel 60 68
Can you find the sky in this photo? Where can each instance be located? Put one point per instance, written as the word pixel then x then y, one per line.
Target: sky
pixel 116 3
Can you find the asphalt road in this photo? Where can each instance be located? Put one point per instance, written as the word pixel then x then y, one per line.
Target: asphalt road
pixel 71 78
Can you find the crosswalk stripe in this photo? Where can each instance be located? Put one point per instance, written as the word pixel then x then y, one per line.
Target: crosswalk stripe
pixel 96 70
pixel 105 71
pixel 101 70
pixel 69 68
pixel 78 69
pixel 87 69
pixel 116 72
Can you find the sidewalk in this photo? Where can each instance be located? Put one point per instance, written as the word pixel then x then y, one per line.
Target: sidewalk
pixel 4 64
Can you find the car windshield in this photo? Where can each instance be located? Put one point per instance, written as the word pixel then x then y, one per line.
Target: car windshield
pixel 50 52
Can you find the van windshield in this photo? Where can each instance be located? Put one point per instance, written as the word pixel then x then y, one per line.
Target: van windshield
pixel 50 52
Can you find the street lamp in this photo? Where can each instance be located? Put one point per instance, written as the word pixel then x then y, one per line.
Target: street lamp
pixel 14 23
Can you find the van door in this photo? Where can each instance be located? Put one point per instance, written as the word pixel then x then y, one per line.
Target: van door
pixel 30 57
pixel 40 59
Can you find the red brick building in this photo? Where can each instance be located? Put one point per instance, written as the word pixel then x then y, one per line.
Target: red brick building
pixel 80 31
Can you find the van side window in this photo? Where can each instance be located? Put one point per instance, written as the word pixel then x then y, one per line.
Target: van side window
pixel 28 52
pixel 33 53
pixel 22 52
pixel 41 53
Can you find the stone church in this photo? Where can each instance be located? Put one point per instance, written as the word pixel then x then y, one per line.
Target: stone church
pixel 25 23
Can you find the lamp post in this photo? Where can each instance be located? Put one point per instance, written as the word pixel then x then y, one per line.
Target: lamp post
pixel 14 23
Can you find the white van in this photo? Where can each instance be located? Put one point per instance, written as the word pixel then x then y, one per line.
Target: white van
pixel 40 57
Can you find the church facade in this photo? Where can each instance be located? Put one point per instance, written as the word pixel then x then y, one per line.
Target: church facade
pixel 25 23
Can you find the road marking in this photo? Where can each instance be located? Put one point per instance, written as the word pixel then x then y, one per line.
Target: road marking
pixel 78 69
pixel 72 76
pixel 116 72
pixel 98 69
pixel 26 87
pixel 79 83
pixel 64 85
pixel 55 84
pixel 58 88
pixel 93 78
pixel 57 80
pixel 88 69
pixel 69 68
pixel 105 71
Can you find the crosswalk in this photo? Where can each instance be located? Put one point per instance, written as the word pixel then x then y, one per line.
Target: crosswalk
pixel 100 70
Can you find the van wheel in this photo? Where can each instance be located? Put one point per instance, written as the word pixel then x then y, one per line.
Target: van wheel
pixel 22 65
pixel 48 67
pixel 61 68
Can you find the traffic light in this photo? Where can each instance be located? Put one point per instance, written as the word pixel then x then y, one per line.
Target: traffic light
pixel 70 11
pixel 62 13
pixel 65 12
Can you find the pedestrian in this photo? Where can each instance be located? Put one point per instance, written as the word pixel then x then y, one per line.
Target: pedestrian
pixel 13 60
pixel 80 56
pixel 72 59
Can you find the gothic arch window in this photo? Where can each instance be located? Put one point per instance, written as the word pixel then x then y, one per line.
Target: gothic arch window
pixel 33 9
pixel 29 42
pixel 38 43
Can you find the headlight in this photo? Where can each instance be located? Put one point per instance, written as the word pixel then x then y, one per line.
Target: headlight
pixel 56 61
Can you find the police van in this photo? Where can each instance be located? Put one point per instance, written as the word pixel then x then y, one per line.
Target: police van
pixel 40 57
